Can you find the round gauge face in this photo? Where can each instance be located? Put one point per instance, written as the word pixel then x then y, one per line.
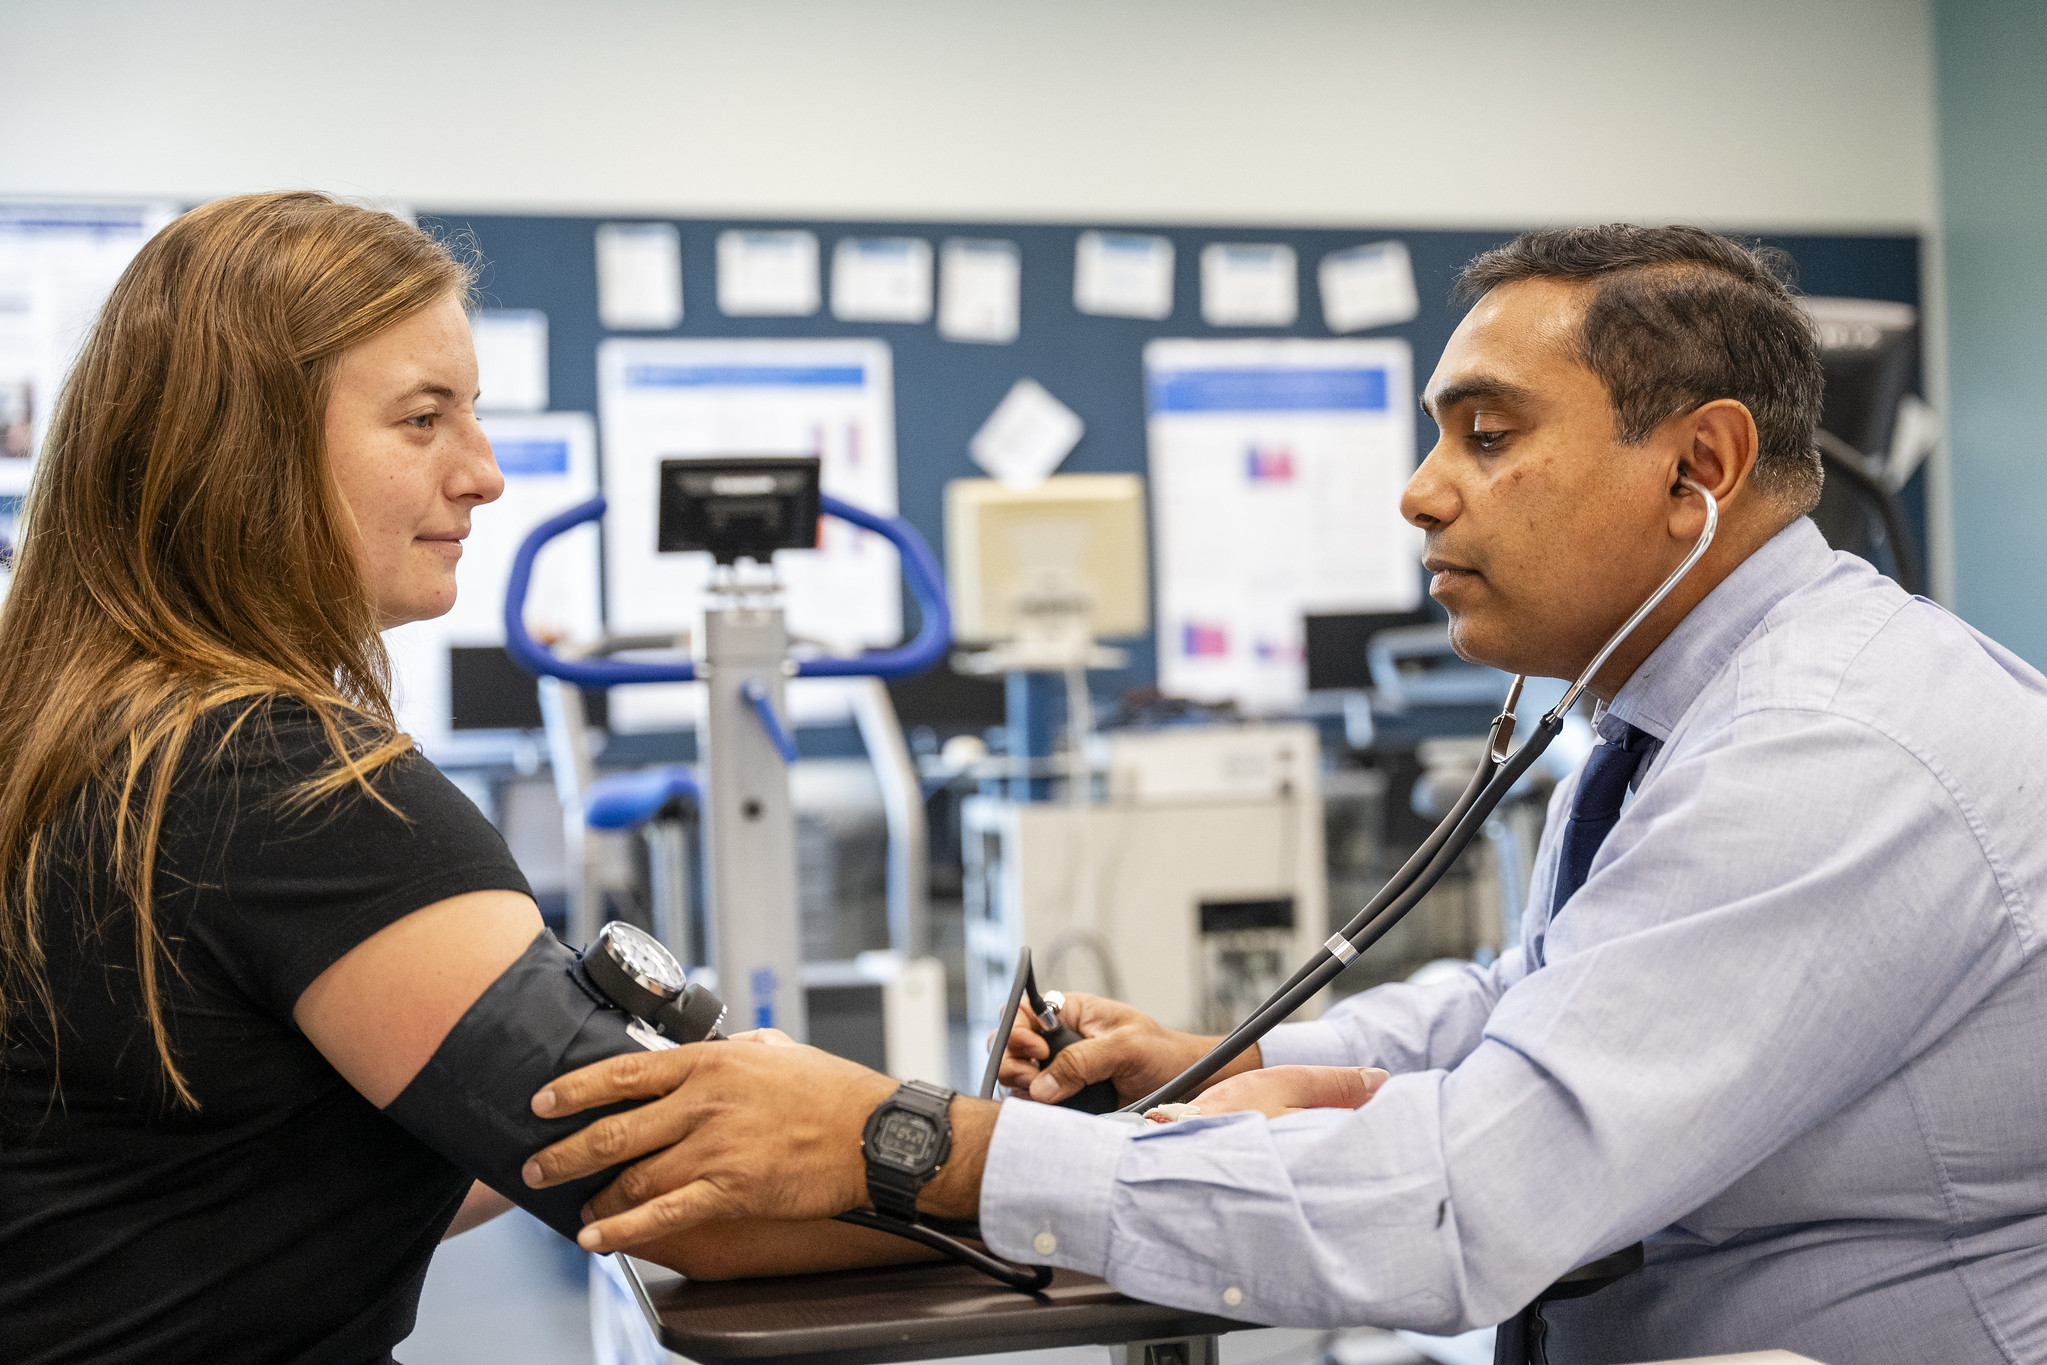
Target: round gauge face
pixel 645 956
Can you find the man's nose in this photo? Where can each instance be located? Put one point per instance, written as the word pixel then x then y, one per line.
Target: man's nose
pixel 1430 500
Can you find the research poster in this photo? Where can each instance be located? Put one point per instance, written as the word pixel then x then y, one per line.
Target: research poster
pixel 1276 473
pixel 58 262
pixel 549 461
pixel 676 399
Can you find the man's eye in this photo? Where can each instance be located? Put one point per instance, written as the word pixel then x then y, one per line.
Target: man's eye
pixel 423 422
pixel 1488 440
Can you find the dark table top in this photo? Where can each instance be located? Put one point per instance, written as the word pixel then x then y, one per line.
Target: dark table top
pixel 920 1312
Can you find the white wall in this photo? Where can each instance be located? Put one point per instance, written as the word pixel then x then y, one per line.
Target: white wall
pixel 1751 113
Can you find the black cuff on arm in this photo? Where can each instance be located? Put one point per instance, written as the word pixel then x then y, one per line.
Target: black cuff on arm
pixel 473 1100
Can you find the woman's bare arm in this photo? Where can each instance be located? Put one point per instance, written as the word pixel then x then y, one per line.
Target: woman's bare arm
pixel 479 1206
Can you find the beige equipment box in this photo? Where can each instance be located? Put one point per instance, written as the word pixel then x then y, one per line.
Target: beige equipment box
pixel 1068 553
pixel 1190 887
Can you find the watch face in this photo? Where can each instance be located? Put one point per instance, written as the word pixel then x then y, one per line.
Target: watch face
pixel 905 1140
pixel 644 957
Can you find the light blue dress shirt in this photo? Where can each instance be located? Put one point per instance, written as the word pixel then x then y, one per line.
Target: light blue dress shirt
pixel 1792 1032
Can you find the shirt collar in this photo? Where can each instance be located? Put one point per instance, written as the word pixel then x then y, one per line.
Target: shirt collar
pixel 1671 678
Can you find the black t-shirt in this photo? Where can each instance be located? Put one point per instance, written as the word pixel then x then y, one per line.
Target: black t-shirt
pixel 286 1219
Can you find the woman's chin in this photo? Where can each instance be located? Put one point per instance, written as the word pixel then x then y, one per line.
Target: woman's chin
pixel 420 607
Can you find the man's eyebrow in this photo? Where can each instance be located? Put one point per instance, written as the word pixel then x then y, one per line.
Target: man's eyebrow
pixel 1481 390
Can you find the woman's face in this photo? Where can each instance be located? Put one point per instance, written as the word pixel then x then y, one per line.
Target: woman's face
pixel 410 458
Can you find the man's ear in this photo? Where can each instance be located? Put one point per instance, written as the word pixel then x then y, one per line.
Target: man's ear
pixel 1717 448
pixel 1720 445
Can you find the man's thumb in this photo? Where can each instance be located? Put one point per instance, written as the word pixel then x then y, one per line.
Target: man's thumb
pixel 1075 1066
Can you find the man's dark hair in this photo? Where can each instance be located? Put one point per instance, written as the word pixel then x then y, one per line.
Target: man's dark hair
pixel 1680 317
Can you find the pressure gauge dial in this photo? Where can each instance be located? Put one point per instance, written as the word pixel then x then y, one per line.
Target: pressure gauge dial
pixel 638 974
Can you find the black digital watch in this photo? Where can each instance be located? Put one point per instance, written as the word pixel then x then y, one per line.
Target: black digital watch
pixel 636 972
pixel 906 1142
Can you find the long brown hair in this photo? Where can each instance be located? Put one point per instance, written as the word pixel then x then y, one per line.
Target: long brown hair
pixel 185 548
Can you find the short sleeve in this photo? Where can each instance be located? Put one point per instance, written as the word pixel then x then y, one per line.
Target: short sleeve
pixel 276 890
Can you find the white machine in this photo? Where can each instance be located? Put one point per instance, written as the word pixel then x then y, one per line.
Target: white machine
pixel 1189 889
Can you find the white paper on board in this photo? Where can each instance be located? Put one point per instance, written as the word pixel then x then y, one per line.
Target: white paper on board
pixel 511 359
pixel 549 461
pixel 58 262
pixel 1249 284
pixel 1123 275
pixel 639 276
pixel 767 274
pixel 881 279
pixel 1276 472
pixel 1026 436
pixel 980 288
pixel 668 399
pixel 1368 286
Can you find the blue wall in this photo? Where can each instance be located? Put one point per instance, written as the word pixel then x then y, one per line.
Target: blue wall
pixel 945 389
pixel 1993 158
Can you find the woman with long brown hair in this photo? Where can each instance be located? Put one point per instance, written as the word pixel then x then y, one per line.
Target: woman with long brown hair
pixel 238 911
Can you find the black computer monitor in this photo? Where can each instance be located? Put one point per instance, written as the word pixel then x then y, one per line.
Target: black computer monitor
pixel 739 507
pixel 1336 646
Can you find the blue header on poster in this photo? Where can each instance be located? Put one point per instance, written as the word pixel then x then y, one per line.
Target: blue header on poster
pixel 731 376
pixel 1271 389
pixel 544 456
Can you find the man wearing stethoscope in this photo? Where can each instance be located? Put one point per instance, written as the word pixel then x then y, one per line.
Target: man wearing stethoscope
pixel 1778 1009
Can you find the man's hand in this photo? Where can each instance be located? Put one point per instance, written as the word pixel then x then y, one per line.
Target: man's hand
pixel 1119 1044
pixel 736 1133
pixel 1277 1090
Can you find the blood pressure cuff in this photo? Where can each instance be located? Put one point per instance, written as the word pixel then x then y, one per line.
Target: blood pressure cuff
pixel 473 1100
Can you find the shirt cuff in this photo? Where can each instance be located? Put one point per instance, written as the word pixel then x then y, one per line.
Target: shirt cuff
pixel 1045 1191
pixel 1316 1043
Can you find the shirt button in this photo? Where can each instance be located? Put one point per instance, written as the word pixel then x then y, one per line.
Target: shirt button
pixel 1045 1243
pixel 1233 1296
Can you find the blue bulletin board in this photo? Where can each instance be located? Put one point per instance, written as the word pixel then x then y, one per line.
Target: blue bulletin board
pixel 945 389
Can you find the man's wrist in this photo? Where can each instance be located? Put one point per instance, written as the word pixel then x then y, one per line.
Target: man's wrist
pixel 955 1192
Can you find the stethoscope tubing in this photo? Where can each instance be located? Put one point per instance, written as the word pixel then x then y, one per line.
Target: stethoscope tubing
pixel 1496 776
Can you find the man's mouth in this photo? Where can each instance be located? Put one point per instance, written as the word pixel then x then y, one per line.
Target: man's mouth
pixel 1446 573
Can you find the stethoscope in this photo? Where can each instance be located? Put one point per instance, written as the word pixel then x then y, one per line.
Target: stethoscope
pixel 1496 775
pixel 642 978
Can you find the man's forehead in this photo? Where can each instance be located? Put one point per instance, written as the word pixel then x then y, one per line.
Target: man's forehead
pixel 1518 336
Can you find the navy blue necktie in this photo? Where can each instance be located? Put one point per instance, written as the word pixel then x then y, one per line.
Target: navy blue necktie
pixel 1596 809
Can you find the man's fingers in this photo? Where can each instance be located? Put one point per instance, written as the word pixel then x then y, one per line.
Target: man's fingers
pixel 610 1140
pixel 632 1076
pixel 1027 1043
pixel 774 1037
pixel 1277 1090
pixel 1331 1087
pixel 696 1202
pixel 1092 1059
pixel 672 1168
pixel 1015 1074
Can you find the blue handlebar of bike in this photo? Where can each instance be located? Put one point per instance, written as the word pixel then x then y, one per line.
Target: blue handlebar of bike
pixel 920 571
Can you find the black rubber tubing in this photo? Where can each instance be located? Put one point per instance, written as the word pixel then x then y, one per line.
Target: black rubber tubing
pixel 1369 925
